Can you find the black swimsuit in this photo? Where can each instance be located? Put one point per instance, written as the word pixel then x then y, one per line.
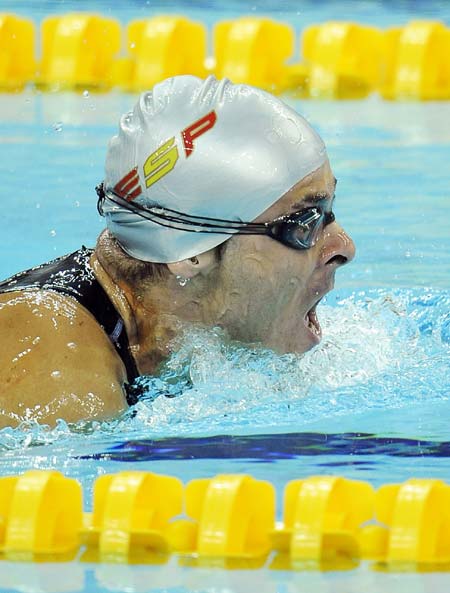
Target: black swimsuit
pixel 72 275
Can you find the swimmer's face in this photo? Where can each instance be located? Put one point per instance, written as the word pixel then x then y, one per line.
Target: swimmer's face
pixel 267 292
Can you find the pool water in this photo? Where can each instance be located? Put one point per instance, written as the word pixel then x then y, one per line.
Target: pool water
pixel 371 402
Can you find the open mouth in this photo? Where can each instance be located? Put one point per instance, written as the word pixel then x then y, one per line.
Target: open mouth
pixel 312 323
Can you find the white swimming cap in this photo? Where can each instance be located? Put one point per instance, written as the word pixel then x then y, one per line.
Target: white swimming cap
pixel 205 148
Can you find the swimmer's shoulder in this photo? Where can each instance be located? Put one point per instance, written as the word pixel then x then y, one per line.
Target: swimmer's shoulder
pixel 55 360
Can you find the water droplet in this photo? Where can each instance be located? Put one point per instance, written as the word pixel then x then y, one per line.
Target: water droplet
pixel 57 126
pixel 86 94
pixel 36 340
pixel 38 205
pixel 132 45
pixel 53 233
pixel 77 204
pixel 182 281
pixel 407 253
pixel 56 374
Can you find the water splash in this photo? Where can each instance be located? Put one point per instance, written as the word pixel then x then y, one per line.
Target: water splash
pixel 381 349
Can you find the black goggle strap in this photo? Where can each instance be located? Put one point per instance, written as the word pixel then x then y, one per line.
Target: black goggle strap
pixel 203 224
pixel 176 220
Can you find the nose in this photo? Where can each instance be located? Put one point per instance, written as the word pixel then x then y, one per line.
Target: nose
pixel 337 246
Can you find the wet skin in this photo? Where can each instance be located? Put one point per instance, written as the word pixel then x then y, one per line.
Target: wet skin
pixel 266 289
pixel 56 361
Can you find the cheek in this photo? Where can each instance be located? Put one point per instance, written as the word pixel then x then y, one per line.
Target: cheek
pixel 243 269
pixel 260 266
pixel 261 290
pixel 256 260
pixel 289 270
pixel 245 278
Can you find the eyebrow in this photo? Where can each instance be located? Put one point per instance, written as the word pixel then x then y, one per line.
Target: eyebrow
pixel 314 198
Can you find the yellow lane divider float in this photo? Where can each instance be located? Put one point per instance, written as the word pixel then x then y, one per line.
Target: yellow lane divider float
pixel 321 519
pixel 132 511
pixel 227 521
pixel 78 52
pixel 17 63
pixel 40 513
pixel 417 62
pixel 230 519
pixel 340 60
pixel 161 47
pixel 343 60
pixel 253 51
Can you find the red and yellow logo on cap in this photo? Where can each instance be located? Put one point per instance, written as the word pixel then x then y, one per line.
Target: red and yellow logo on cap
pixel 129 186
pixel 160 162
pixel 164 159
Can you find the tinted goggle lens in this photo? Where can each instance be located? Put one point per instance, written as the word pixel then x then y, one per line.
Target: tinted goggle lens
pixel 302 229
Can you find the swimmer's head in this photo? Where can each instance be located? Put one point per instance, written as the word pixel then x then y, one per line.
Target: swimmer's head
pixel 206 149
pixel 235 153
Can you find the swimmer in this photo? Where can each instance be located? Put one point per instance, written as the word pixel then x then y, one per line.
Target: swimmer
pixel 218 203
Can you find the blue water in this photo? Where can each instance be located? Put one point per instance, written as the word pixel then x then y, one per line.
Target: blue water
pixel 371 402
pixel 382 13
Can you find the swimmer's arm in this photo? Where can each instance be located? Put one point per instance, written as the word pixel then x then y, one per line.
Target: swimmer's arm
pixel 55 362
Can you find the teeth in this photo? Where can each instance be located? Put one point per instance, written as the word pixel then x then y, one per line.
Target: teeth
pixel 313 323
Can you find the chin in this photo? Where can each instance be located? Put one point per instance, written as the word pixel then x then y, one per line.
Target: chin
pixel 295 344
pixel 296 334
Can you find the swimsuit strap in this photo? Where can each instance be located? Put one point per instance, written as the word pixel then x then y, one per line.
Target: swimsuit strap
pixel 73 276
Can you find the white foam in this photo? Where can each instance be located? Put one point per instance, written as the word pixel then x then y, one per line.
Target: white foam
pixel 380 349
pixel 366 338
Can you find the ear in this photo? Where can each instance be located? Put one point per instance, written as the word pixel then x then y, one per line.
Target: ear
pixel 199 264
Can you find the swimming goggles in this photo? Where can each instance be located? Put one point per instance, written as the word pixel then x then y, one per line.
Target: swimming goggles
pixel 299 230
